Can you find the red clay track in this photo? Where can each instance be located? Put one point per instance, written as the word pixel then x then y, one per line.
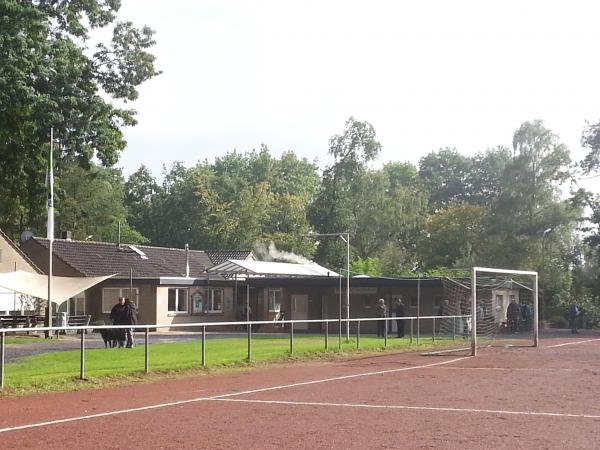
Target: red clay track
pixel 504 398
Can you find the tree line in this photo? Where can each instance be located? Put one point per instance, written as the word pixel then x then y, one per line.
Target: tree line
pixel 517 207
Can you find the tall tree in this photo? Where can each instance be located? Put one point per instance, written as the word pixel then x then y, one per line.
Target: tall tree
pixel 90 205
pixel 331 211
pixel 444 174
pixel 49 78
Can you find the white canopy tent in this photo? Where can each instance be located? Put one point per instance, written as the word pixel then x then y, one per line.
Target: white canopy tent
pixel 36 285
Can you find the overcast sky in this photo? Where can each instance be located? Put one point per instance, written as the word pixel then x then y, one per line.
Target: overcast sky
pixel 425 74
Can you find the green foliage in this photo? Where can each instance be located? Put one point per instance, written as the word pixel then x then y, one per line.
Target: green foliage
pixel 90 205
pixel 48 79
pixel 368 266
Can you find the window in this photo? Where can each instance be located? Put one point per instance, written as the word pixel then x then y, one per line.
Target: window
pixel 178 300
pixel 512 298
pixel 499 301
pixel 110 297
pixel 366 302
pixel 215 301
pixel 274 300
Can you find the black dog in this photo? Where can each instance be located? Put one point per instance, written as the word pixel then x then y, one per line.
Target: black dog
pixel 112 337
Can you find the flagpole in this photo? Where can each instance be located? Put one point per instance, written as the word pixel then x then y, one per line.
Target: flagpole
pixel 50 232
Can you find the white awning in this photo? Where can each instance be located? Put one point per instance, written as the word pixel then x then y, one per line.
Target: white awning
pixel 270 268
pixel 36 285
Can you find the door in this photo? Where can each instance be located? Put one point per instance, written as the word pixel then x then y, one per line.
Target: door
pixel 300 311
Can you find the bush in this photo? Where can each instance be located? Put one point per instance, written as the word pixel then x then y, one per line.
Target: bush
pixel 558 322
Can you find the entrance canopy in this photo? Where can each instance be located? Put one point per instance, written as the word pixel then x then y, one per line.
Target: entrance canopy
pixel 36 285
pixel 271 269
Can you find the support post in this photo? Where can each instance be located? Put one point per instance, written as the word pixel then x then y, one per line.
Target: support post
pixel 291 337
pixel 418 308
pixel 535 313
pixel 433 331
pixel 326 335
pixel 249 342
pixel 358 335
pixel 473 309
pixel 82 357
pixel 385 332
pixel 146 342
pixel 2 336
pixel 203 345
pixel 411 330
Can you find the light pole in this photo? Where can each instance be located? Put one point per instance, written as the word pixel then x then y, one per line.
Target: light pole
pixel 543 303
pixel 344 236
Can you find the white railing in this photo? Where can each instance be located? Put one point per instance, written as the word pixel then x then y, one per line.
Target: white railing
pixel 202 326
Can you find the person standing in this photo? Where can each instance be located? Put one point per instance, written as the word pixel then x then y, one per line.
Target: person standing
pixel 129 318
pixel 399 310
pixel 574 312
pixel 512 315
pixel 117 317
pixel 381 312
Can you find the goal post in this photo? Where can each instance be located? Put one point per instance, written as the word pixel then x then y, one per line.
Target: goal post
pixel 477 272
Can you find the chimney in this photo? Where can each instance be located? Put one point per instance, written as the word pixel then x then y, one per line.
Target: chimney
pixel 187 261
pixel 66 235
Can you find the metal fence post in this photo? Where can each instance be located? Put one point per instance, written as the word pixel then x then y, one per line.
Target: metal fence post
pixel 292 337
pixel 358 334
pixel 385 332
pixel 82 358
pixel 326 335
pixel 411 330
pixel 203 345
pixel 146 339
pixel 433 331
pixel 2 360
pixel 454 328
pixel 249 342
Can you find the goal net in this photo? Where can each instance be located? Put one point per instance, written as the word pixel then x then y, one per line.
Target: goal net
pixel 492 307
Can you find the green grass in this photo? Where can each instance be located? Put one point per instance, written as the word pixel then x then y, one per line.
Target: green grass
pixel 59 371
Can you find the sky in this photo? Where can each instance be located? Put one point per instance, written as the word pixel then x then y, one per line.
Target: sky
pixel 426 74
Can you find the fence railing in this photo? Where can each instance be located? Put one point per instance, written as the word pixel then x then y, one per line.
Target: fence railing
pixel 202 326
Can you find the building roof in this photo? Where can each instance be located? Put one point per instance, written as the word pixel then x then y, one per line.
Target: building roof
pixel 220 256
pixel 271 269
pixel 102 258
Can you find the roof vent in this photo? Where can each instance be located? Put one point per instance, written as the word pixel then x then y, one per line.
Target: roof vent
pixel 138 251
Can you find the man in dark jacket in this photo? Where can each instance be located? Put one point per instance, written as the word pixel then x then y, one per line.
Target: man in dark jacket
pixel 574 312
pixel 399 310
pixel 129 318
pixel 118 318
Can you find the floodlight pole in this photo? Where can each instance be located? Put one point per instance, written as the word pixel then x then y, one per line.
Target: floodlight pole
pixel 50 233
pixel 344 236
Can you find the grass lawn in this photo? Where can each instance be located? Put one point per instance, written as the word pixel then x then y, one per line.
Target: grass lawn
pixel 54 371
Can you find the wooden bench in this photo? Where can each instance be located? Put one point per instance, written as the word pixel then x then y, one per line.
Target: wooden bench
pixel 21 321
pixel 78 321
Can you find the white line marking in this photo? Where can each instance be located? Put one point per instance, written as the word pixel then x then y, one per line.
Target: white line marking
pixel 572 343
pixel 418 408
pixel 216 397
pixel 343 377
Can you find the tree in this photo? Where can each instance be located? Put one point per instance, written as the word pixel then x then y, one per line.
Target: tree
pixel 141 195
pixel 444 174
pixel 331 212
pixel 90 205
pixel 49 78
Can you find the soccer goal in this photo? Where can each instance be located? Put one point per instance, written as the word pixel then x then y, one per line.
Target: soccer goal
pixel 494 307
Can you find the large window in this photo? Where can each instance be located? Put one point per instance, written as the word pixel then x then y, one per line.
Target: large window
pixel 215 301
pixel 110 297
pixel 274 300
pixel 178 300
pixel 198 303
pixel 499 301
